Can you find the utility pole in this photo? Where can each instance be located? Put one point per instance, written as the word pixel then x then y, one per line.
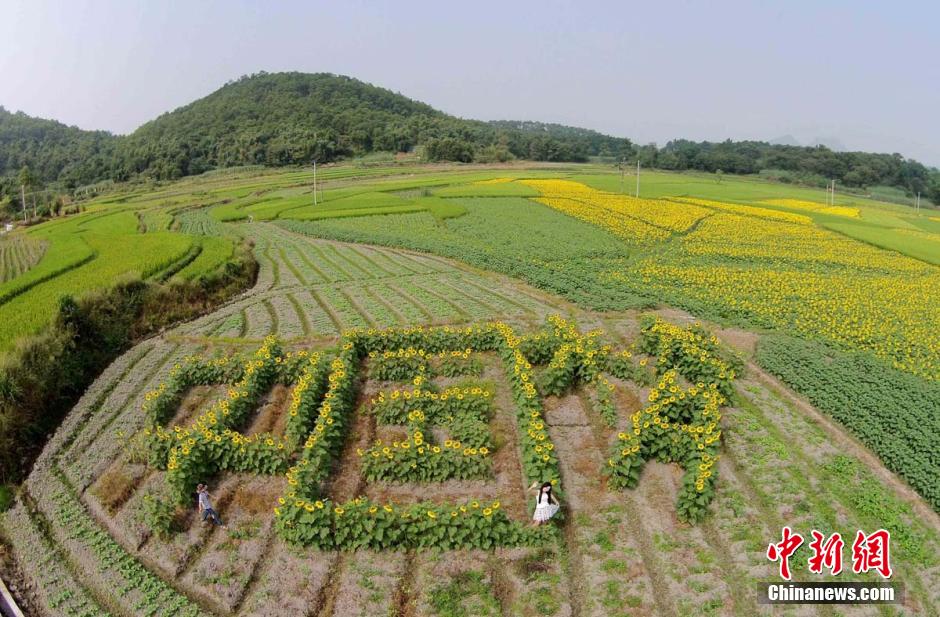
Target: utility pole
pixel 917 206
pixel 623 165
pixel 638 177
pixel 314 182
pixel 23 198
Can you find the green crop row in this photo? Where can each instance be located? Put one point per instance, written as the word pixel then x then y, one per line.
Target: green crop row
pixel 214 253
pixel 892 412
pixel 138 588
pixel 513 236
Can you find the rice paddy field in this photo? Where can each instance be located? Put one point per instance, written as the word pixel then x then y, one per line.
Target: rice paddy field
pixel 692 370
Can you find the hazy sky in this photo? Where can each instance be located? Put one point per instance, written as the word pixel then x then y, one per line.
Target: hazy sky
pixel 866 73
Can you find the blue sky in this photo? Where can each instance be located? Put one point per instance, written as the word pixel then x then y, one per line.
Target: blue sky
pixel 865 73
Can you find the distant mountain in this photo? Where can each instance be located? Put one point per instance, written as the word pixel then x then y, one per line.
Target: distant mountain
pixel 785 140
pixel 833 143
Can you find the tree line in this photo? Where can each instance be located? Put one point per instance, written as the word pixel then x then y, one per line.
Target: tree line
pixel 293 118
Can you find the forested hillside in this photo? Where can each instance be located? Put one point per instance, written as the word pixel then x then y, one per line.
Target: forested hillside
pixel 278 119
pixel 54 151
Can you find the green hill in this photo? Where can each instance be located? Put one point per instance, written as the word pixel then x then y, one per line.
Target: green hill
pixel 278 119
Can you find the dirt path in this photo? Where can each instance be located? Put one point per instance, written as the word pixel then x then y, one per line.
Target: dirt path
pixel 599 527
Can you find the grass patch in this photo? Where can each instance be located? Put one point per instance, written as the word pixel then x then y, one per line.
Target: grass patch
pixel 6 498
pixel 467 594
pixel 442 208
pixel 917 245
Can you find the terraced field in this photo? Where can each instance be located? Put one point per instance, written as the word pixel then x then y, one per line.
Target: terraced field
pixel 87 506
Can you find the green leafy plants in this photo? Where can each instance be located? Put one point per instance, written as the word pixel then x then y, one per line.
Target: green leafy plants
pixel 362 524
pixel 891 411
pixel 6 498
pixel 456 363
pixel 604 400
pixel 462 412
pixel 398 365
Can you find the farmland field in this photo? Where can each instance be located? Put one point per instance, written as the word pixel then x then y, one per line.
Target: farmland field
pixel 693 370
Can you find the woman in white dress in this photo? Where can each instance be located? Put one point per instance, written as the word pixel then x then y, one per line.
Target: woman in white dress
pixel 545 503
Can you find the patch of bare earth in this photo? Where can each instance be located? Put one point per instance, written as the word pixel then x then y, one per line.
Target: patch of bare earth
pixel 368 584
pixel 293 582
pixel 272 416
pixel 227 563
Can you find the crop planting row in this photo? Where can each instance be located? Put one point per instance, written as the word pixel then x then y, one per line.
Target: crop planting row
pixel 759 212
pixel 390 288
pixel 894 416
pixel 798 204
pixel 72 540
pixel 117 419
pixel 56 589
pixel 214 253
pixel 512 236
pixel 18 254
pixel 64 253
pixel 807 494
pixel 198 222
pixel 146 254
pixel 139 591
pixel 761 269
pixel 154 219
